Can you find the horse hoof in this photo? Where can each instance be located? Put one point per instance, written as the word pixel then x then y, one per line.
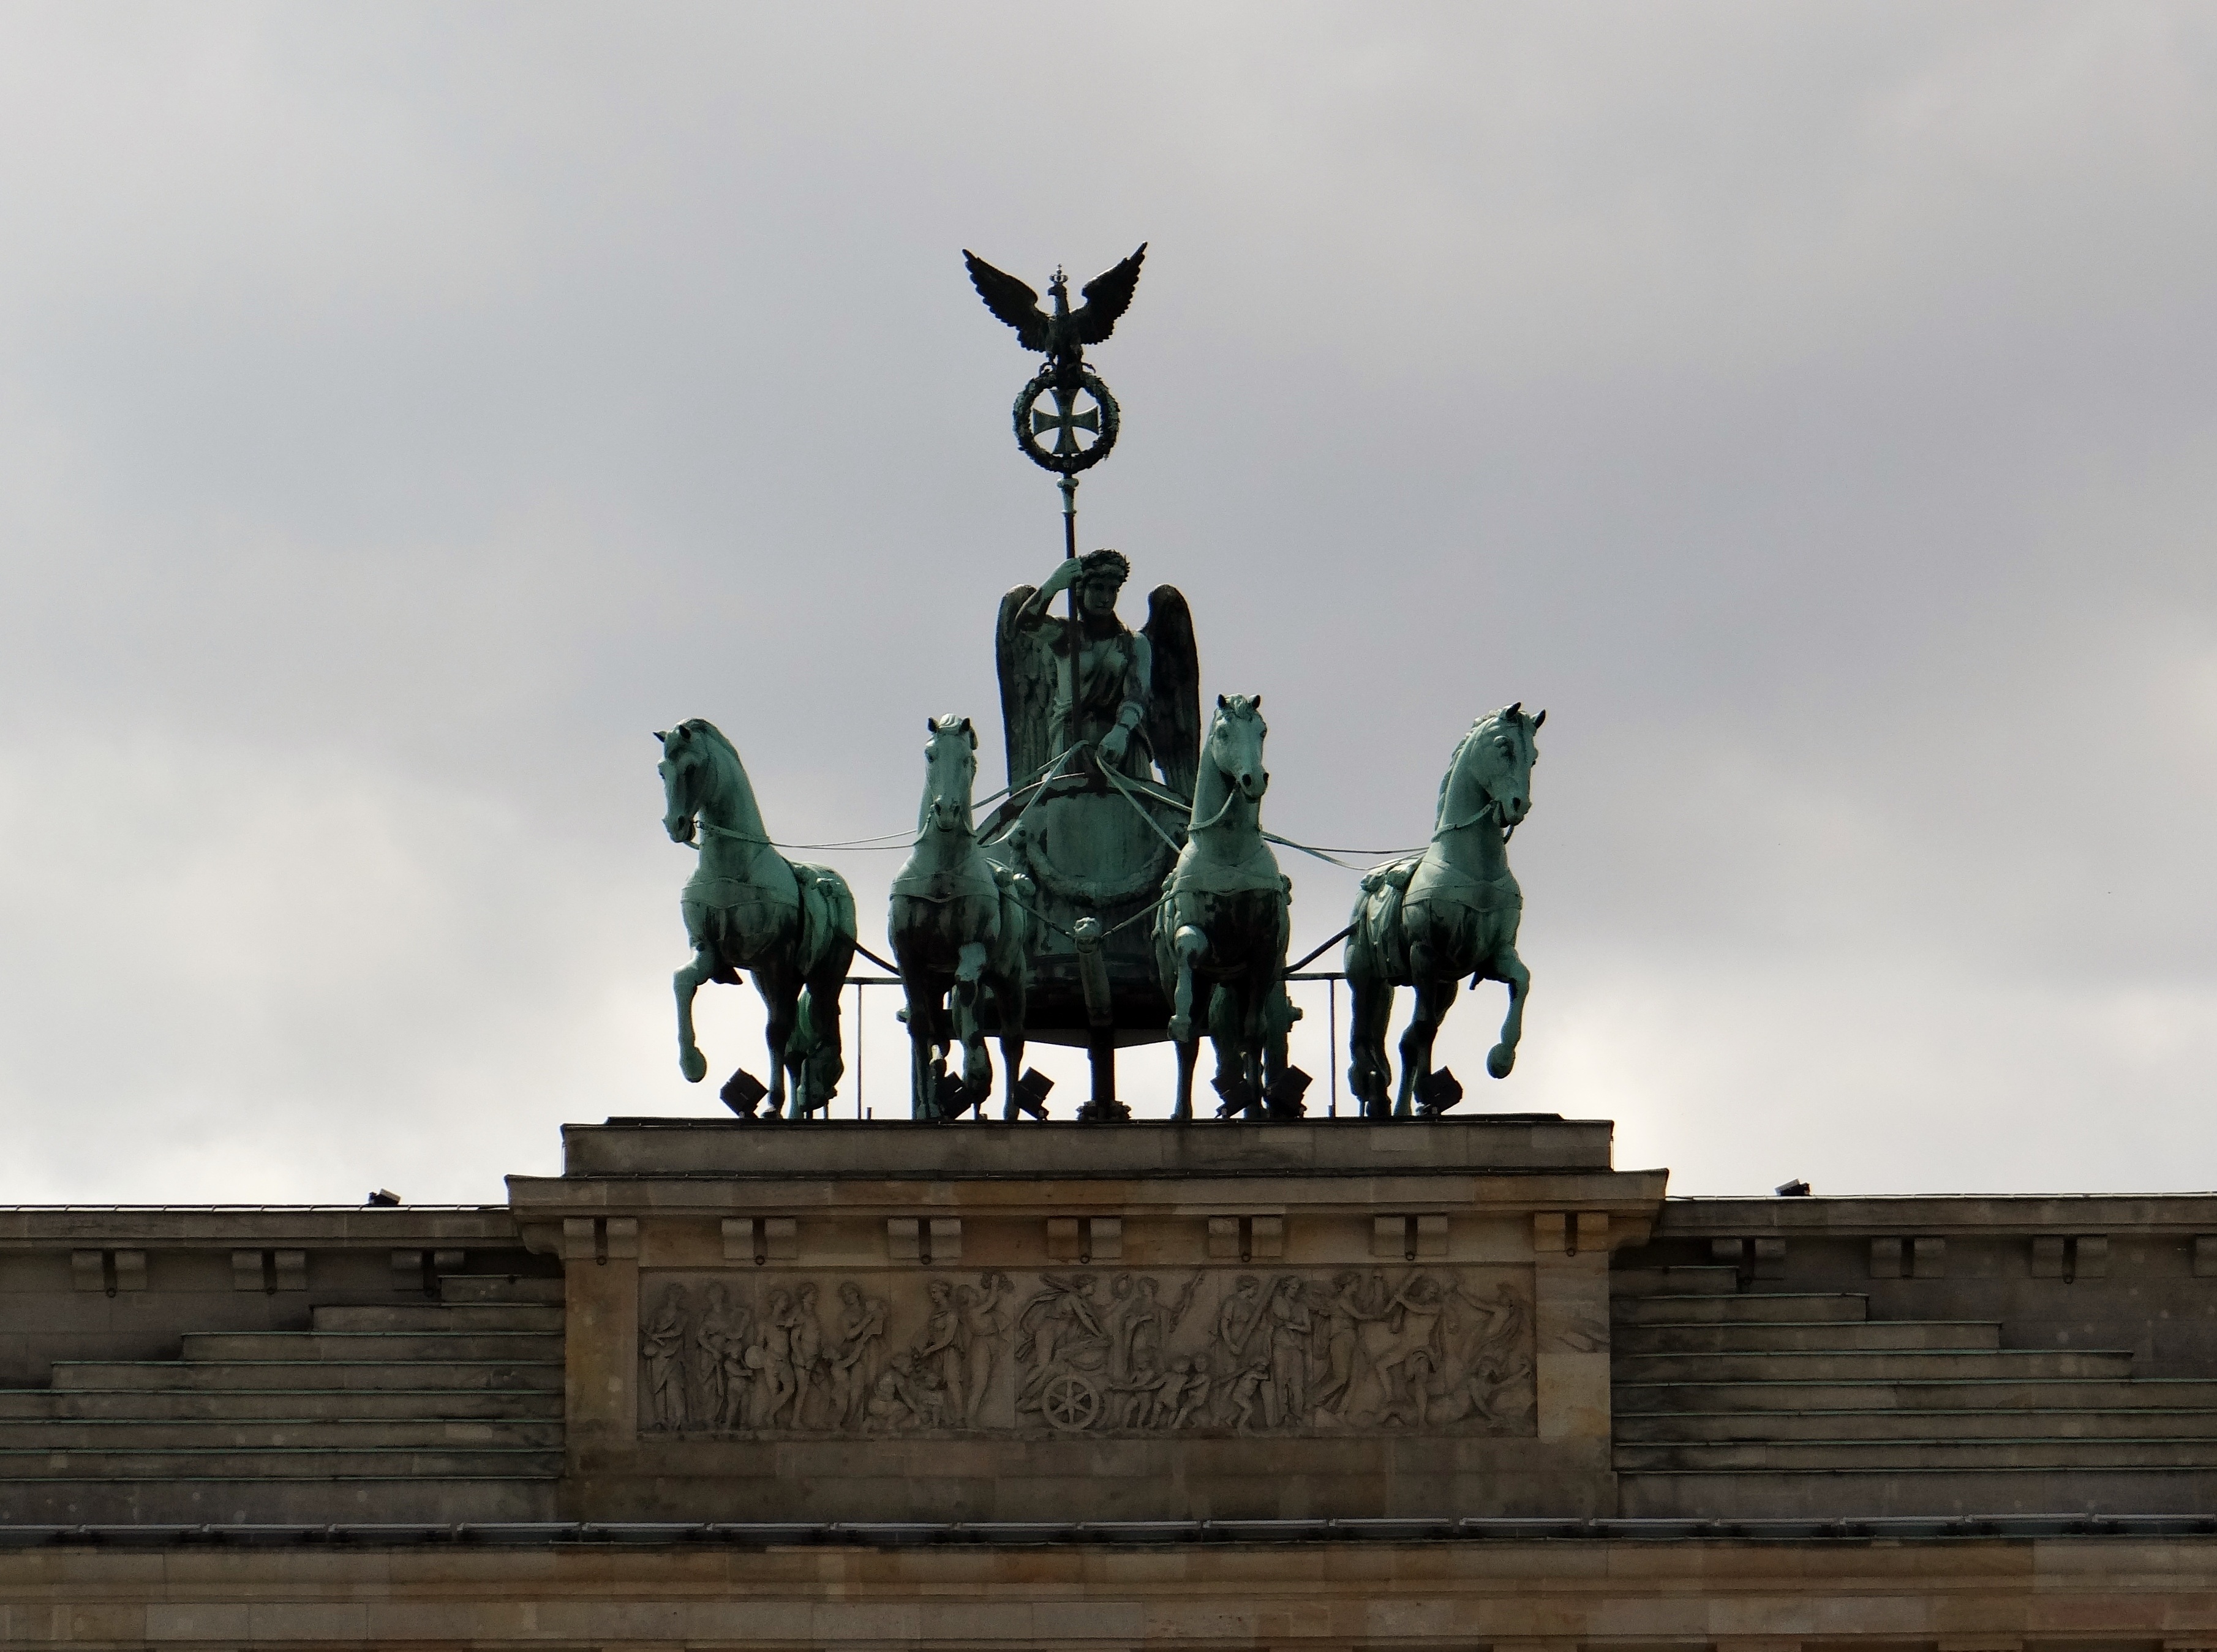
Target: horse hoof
pixel 693 1064
pixel 1499 1060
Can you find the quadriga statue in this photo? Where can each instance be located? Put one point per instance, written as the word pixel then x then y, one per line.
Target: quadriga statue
pixel 746 906
pixel 1429 920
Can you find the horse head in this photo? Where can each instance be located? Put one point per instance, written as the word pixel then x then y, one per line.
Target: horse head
pixel 1234 745
pixel 950 774
pixel 1490 777
pixel 690 770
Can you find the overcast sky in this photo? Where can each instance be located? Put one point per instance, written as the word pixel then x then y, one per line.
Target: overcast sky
pixel 405 409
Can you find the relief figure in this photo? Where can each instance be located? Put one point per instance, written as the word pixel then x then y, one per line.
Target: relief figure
pixel 662 1343
pixel 862 1323
pixel 1059 1337
pixel 772 1356
pixel 721 1341
pixel 986 1323
pixel 943 1350
pixel 1210 1350
pixel 805 1348
pixel 1286 1397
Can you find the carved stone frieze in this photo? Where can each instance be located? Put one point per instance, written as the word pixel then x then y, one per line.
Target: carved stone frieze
pixel 1093 1351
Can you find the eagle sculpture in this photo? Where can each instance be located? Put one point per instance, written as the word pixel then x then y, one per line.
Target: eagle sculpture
pixel 1062 333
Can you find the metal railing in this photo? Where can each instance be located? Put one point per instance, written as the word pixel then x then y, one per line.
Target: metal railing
pixel 1295 972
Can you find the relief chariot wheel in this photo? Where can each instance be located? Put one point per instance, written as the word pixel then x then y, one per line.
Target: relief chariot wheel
pixel 1069 1403
pixel 1087 406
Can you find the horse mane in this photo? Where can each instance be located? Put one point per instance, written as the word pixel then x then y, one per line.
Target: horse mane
pixel 702 726
pixel 1491 719
pixel 722 755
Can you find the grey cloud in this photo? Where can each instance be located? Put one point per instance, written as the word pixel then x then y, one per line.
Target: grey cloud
pixel 403 412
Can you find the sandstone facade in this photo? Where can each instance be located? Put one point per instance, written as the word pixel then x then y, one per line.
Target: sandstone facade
pixel 1451 1384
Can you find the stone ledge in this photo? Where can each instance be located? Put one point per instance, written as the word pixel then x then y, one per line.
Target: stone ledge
pixel 2137 1596
pixel 854 1149
pixel 223 1227
pixel 1982 1215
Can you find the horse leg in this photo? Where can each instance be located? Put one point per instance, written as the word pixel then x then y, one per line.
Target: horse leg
pixel 1510 968
pixel 1278 1016
pixel 827 1059
pixel 977 1065
pixel 1188 1053
pixel 1271 1012
pixel 687 982
pixel 780 997
pixel 1191 947
pixel 923 993
pixel 1370 1015
pixel 1227 1032
pixel 1433 998
pixel 1008 1002
pixel 1250 1000
pixel 800 1046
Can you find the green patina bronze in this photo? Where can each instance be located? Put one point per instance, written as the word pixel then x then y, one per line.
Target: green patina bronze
pixel 1220 928
pixel 1429 920
pixel 1061 334
pixel 747 908
pixel 960 927
pixel 1101 727
pixel 1124 893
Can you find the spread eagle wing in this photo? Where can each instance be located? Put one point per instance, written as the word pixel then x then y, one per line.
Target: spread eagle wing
pixel 1028 684
pixel 1106 296
pixel 1173 727
pixel 1016 304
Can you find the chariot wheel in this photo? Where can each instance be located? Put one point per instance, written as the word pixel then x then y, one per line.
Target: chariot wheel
pixel 1069 1403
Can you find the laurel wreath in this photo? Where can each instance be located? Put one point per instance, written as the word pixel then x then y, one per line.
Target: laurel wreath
pixel 1088 891
pixel 1065 463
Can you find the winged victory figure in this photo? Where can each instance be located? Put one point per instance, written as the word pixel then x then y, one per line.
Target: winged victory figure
pixel 1089 680
pixel 1062 333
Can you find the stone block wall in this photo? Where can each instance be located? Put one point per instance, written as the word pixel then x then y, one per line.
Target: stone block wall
pixel 87 1284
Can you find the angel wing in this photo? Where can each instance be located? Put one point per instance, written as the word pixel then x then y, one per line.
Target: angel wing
pixel 1106 296
pixel 1028 682
pixel 1173 726
pixel 1019 306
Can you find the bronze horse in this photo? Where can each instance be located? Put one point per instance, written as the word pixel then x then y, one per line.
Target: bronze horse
pixel 1221 928
pixel 748 907
pixel 959 925
pixel 1427 920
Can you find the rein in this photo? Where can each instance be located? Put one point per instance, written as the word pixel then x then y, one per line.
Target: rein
pixel 1491 809
pixel 1216 819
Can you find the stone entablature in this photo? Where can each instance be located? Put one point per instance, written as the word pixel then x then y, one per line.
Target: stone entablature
pixel 1333 1319
pixel 707 1321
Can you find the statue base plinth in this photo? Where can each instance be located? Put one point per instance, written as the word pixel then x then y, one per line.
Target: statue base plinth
pixel 892 1322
